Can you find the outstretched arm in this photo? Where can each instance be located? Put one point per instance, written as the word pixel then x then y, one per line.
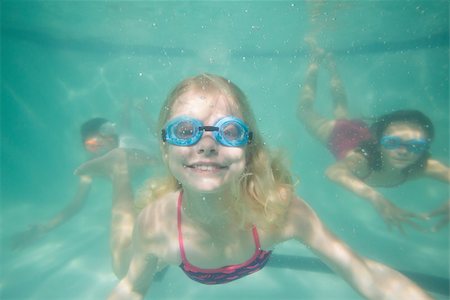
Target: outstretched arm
pixel 38 230
pixel 347 173
pixel 138 279
pixel 437 170
pixel 143 266
pixel 371 279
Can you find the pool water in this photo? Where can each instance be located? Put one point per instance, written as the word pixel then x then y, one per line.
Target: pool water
pixel 64 62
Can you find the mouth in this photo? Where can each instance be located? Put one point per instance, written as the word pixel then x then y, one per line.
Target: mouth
pixel 402 160
pixel 206 167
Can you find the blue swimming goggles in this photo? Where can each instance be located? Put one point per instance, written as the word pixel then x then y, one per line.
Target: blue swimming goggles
pixel 186 131
pixel 416 146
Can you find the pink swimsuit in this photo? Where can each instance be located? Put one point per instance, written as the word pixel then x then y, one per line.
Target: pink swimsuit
pixel 346 136
pixel 223 274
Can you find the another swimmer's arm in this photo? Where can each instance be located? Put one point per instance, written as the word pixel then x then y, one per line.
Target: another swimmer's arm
pixel 437 170
pixel 74 206
pixel 36 231
pixel 143 266
pixel 371 279
pixel 343 172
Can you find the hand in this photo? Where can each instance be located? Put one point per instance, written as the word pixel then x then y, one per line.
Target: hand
pixel 394 216
pixel 25 238
pixel 442 212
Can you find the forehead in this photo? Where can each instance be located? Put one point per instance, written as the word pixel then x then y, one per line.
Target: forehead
pixel 204 105
pixel 405 130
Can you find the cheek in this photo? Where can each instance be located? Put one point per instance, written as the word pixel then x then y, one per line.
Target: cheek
pixel 386 153
pixel 237 160
pixel 402 160
pixel 414 158
pixel 175 158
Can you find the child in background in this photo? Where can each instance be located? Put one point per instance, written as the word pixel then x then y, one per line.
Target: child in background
pixel 116 156
pixel 393 150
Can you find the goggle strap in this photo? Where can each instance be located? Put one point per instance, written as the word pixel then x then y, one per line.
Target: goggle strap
pixel 209 128
pixel 250 137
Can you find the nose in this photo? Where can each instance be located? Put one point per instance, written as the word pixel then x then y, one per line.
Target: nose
pixel 402 150
pixel 207 144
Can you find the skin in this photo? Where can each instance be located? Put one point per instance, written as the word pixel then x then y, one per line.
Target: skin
pixel 353 172
pixel 110 161
pixel 211 236
pixel 36 231
pixel 116 164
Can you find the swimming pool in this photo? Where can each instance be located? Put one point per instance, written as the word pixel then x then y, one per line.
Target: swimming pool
pixel 63 62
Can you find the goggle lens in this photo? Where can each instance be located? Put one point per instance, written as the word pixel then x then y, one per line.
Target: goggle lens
pixel 184 130
pixel 92 144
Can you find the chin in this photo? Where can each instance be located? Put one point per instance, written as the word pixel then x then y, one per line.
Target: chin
pixel 401 164
pixel 208 186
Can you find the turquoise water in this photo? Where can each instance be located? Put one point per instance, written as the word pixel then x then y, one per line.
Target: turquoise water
pixel 64 62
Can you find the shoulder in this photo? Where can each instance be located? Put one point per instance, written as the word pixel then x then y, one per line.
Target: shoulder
pixel 356 156
pixel 156 233
pixel 437 170
pixel 355 162
pixel 300 222
pixel 305 226
pixel 159 215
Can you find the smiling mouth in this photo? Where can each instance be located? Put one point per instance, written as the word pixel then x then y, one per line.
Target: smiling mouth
pixel 206 167
pixel 401 160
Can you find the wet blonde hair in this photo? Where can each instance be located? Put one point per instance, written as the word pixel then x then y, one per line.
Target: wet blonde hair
pixel 265 189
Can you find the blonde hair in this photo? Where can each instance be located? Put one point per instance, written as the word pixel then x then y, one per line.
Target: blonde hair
pixel 264 191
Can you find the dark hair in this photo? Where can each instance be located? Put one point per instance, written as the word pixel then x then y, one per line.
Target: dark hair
pixel 91 127
pixel 371 148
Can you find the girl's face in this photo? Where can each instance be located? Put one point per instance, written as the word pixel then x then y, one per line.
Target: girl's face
pixel 207 166
pixel 402 144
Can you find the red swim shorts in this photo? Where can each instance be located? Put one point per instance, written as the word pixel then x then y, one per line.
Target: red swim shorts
pixel 346 136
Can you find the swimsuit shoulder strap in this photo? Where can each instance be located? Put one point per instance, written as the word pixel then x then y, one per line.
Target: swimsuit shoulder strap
pixel 256 238
pixel 180 234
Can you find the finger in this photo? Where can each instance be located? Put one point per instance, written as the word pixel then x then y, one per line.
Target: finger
pixel 415 225
pixel 400 227
pixel 425 216
pixel 437 213
pixel 441 224
pixel 407 214
pixel 411 220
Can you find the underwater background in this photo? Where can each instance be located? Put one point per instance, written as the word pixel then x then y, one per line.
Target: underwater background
pixel 63 62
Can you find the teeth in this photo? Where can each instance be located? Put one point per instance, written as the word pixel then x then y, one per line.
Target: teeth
pixel 205 167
